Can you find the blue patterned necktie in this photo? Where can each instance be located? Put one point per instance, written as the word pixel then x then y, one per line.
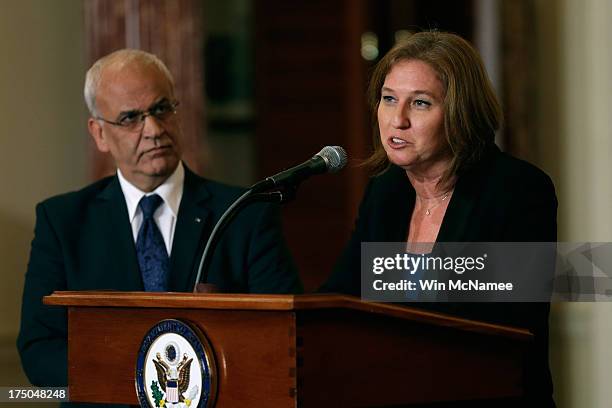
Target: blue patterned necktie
pixel 150 248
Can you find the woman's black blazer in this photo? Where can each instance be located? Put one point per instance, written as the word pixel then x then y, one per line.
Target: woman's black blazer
pixel 500 199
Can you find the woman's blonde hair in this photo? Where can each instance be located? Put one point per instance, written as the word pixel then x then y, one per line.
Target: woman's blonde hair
pixel 472 113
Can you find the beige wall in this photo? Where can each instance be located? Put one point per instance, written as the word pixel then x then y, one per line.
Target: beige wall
pixel 574 103
pixel 43 140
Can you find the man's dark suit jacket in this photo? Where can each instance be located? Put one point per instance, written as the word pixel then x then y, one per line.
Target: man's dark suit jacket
pixel 83 241
pixel 501 199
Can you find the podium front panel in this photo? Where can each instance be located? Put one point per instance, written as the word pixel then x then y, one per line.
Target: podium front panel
pixel 254 352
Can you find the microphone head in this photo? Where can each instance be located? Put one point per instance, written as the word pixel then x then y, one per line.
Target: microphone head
pixel 334 157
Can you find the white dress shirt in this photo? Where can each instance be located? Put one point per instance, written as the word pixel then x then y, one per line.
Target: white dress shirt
pixel 171 192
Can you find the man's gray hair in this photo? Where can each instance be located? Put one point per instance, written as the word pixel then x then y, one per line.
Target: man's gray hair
pixel 122 58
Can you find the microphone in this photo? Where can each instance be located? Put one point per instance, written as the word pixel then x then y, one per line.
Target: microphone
pixel 329 160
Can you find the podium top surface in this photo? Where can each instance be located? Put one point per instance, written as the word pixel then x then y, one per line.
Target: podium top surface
pixel 219 301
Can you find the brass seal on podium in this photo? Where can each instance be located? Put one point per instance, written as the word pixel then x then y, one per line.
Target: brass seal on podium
pixel 175 367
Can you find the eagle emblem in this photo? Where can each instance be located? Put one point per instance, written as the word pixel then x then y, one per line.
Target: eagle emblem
pixel 173 377
pixel 175 367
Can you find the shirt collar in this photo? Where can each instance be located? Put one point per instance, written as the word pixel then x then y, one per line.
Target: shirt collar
pixel 171 191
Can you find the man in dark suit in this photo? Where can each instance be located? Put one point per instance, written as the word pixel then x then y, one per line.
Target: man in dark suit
pixel 144 228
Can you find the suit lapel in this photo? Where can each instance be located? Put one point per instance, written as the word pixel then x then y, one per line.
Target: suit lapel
pixel 456 222
pixel 187 243
pixel 459 224
pixel 117 234
pixel 402 201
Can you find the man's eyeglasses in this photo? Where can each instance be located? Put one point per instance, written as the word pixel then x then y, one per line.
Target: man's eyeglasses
pixel 133 121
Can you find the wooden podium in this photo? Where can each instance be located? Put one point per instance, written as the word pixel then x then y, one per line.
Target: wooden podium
pixel 287 351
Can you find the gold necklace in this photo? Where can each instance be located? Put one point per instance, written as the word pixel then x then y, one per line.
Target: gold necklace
pixel 444 197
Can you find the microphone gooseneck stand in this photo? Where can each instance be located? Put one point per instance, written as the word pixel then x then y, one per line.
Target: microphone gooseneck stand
pixel 278 188
pixel 249 197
